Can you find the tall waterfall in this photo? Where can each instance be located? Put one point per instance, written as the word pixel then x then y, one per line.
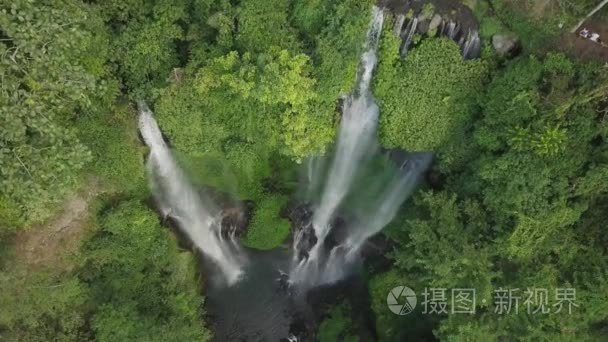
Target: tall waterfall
pixel 355 142
pixel 356 146
pixel 196 215
pixel 329 251
pixel 357 133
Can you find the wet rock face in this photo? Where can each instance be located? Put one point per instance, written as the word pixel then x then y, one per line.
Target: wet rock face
pixel 375 253
pixel 235 219
pixel 302 328
pixel 423 25
pixel 235 214
pixel 337 235
pixel 300 216
pixel 306 242
pixel 506 45
pixel 435 22
pixel 304 233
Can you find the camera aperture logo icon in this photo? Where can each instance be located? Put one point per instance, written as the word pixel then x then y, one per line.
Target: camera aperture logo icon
pixel 401 300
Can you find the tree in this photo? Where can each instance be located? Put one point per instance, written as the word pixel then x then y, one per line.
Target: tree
pixel 140 285
pixel 237 92
pixel 428 99
pixel 46 83
pixel 263 24
pixel 145 49
pixel 522 213
pixel 41 306
pixel 338 48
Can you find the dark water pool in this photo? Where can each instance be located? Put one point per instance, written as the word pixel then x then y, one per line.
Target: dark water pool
pixel 260 307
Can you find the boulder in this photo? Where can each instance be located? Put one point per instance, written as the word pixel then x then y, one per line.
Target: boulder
pixel 423 25
pixel 506 44
pixel 435 22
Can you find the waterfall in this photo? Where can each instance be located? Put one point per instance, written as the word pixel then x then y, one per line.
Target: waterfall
pixel 452 30
pixel 472 46
pixel 330 244
pixel 356 146
pixel 470 43
pixel 408 35
pixel 356 136
pixel 398 25
pixel 196 215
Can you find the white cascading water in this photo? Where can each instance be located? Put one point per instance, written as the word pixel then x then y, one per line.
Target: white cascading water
pixel 356 144
pixel 198 217
pixel 357 134
pixel 380 211
pixel 408 35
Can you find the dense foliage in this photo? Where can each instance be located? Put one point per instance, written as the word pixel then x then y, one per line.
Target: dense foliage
pixel 438 120
pixel 141 286
pixel 525 211
pixel 244 92
pixel 53 70
pixel 259 101
pixel 130 283
pixel 45 305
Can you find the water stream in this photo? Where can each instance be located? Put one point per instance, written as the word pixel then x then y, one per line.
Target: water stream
pixel 254 297
pixel 356 148
pixel 198 217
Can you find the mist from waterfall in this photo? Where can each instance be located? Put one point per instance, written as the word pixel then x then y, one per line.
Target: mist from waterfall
pixel 356 147
pixel 196 215
pixel 356 139
pixel 361 185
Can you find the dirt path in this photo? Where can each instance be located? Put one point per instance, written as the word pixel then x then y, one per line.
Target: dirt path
pixel 49 243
